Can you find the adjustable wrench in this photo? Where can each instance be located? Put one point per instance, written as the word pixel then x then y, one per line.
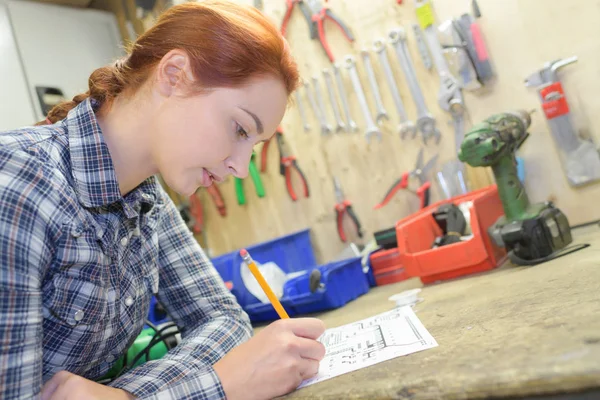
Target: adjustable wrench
pixel 351 125
pixel 301 111
pixel 315 107
pixel 325 127
pixel 405 126
pixel 381 114
pixel 334 104
pixel 425 121
pixel 372 129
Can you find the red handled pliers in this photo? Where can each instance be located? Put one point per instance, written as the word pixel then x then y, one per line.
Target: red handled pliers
pixel 420 172
pixel 217 198
pixel 342 207
pixel 289 4
pixel 288 164
pixel 320 13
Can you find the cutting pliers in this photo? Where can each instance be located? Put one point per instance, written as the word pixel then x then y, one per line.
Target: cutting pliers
pixel 217 198
pixel 420 172
pixel 342 207
pixel 287 165
pixel 289 4
pixel 255 175
pixel 320 13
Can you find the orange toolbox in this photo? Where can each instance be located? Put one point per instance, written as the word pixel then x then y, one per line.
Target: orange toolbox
pixel 387 266
pixel 417 232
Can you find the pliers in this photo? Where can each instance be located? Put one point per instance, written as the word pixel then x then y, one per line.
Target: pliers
pixel 217 198
pixel 289 4
pixel 254 174
pixel 342 207
pixel 288 164
pixel 320 13
pixel 420 172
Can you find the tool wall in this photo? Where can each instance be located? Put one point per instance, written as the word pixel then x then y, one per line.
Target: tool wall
pixel 520 37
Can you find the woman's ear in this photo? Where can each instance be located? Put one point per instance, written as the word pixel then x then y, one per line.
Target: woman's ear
pixel 173 73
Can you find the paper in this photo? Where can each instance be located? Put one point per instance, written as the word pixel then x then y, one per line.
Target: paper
pixel 364 343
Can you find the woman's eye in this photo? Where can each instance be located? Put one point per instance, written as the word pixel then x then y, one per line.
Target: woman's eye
pixel 241 132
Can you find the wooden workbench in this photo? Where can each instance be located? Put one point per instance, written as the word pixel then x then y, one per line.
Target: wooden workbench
pixel 512 332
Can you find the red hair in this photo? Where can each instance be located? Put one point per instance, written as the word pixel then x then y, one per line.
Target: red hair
pixel 227 43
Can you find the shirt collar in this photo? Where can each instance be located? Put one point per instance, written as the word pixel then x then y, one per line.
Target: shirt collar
pixel 92 167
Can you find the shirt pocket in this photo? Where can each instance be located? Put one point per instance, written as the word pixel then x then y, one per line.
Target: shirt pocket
pixel 75 302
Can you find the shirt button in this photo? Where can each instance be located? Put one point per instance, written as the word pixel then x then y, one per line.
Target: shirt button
pixel 124 241
pixel 110 358
pixel 128 301
pixel 77 231
pixel 78 315
pixel 136 232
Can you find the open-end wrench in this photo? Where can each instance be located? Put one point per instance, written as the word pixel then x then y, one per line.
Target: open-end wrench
pixel 423 51
pixel 381 115
pixel 425 121
pixel 372 129
pixel 325 127
pixel 350 124
pixel 334 104
pixel 301 111
pixel 315 107
pixel 406 126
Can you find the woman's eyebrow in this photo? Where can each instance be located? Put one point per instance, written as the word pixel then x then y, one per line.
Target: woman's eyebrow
pixel 257 121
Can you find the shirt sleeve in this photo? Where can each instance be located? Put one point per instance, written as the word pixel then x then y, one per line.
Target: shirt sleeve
pixel 211 320
pixel 26 215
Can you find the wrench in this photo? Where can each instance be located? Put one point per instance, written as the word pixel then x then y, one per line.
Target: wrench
pixel 372 129
pixel 325 127
pixel 381 114
pixel 425 121
pixel 301 111
pixel 423 51
pixel 334 104
pixel 405 126
pixel 315 107
pixel 351 125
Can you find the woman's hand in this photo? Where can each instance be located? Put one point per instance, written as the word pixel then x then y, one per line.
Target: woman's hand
pixel 65 386
pixel 274 362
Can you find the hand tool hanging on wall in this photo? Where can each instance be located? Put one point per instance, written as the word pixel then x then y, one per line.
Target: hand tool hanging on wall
pixel 350 124
pixel 579 158
pixel 320 13
pixel 289 7
pixel 420 172
pixel 255 175
pixel 405 126
pixel 422 46
pixel 319 113
pixel 264 152
pixel 343 207
pixel 334 104
pixel 191 212
pixel 287 166
pixel 425 121
pixel 380 115
pixel 326 127
pixel 301 111
pixel 217 198
pixel 372 129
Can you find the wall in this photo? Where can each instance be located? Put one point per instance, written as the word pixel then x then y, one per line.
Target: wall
pixel 521 36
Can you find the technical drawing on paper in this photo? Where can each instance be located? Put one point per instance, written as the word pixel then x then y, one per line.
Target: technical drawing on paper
pixel 364 343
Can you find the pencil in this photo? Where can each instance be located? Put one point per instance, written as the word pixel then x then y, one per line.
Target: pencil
pixel 263 284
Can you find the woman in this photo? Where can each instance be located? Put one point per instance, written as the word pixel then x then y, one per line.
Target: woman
pixel 87 235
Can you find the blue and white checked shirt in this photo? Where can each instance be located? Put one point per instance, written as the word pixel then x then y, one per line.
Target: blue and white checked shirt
pixel 80 263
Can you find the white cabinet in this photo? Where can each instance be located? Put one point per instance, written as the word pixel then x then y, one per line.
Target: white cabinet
pixel 59 47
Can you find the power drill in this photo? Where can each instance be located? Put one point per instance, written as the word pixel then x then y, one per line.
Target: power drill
pixel 531 233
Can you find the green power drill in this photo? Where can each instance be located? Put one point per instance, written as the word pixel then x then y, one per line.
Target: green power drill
pixel 531 233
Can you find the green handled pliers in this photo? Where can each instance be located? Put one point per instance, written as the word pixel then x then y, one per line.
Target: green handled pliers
pixel 258 185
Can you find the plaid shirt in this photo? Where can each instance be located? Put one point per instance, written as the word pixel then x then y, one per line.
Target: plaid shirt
pixel 80 263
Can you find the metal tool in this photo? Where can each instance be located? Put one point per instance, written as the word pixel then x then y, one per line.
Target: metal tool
pixel 301 111
pixel 380 115
pixel 350 124
pixel 406 126
pixel 315 107
pixel 288 165
pixel 334 104
pixel 425 121
pixel 419 172
pixel 320 13
pixel 342 207
pixel 532 233
pixel 325 126
pixel 258 4
pixel 289 7
pixel 422 46
pixel 372 129
pixel 579 158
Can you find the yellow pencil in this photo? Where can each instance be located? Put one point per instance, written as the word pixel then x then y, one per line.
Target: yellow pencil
pixel 263 284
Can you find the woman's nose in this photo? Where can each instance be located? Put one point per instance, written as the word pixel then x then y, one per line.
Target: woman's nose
pixel 239 164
